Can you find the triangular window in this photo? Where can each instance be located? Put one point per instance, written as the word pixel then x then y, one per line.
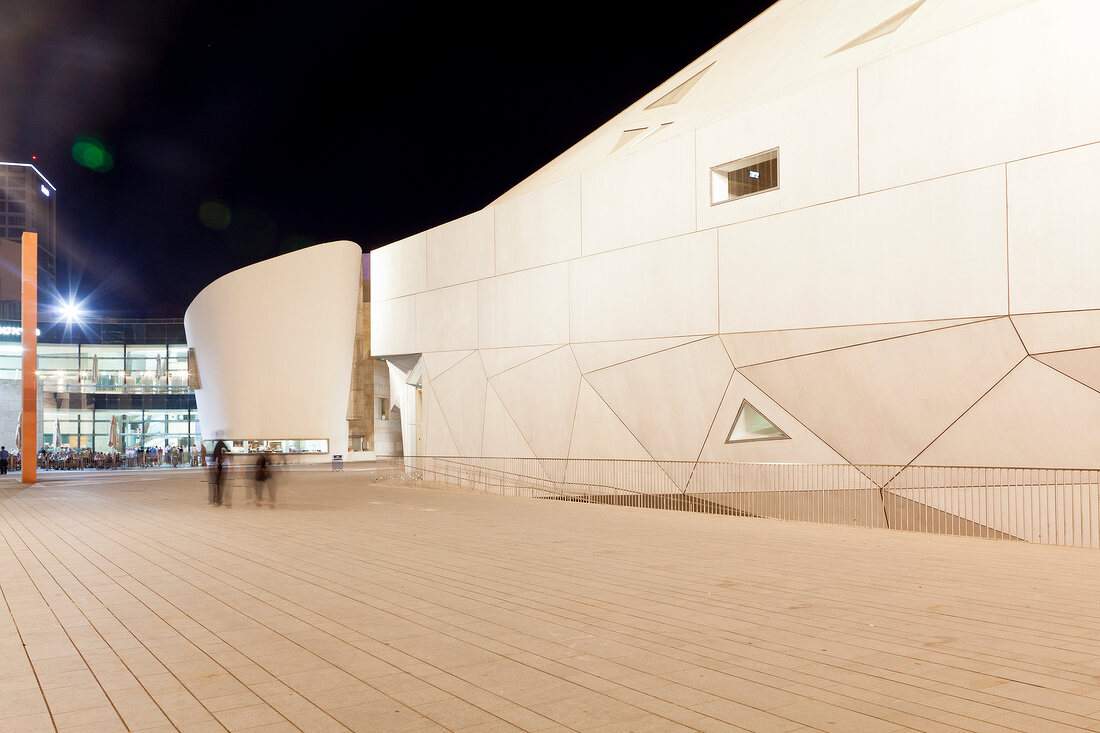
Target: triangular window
pixel 628 136
pixel 884 28
pixel 751 425
pixel 681 91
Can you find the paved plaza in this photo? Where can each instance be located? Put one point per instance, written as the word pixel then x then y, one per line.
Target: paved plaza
pixel 129 603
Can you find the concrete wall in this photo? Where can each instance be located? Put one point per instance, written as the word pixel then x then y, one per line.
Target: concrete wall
pixel 275 343
pixel 920 287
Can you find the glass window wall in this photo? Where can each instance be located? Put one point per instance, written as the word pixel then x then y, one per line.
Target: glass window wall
pixel 147 365
pixel 136 428
pixel 285 445
pixel 102 365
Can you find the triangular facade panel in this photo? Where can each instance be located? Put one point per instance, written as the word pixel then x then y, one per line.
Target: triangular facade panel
pixel 1035 416
pixel 668 399
pixel 747 349
pixel 501 360
pixel 602 354
pixel 1081 364
pixel 437 434
pixel 460 392
pixel 440 361
pixel 541 396
pixel 501 438
pixel 884 402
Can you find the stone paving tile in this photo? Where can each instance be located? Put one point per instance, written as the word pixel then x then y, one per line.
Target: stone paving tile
pixel 360 605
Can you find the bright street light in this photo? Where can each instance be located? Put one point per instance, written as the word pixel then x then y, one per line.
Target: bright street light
pixel 71 311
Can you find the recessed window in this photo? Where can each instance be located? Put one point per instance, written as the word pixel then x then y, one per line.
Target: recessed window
pixel 383 409
pixel 680 91
pixel 750 424
pixel 628 137
pixel 884 28
pixel 744 177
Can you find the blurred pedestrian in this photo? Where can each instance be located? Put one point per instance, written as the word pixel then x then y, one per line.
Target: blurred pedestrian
pixel 4 458
pixel 261 479
pixel 221 466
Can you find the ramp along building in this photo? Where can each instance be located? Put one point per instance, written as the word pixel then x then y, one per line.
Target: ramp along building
pixel 854 234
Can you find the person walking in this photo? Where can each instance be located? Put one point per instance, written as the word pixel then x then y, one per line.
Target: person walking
pixel 4 458
pixel 261 479
pixel 221 461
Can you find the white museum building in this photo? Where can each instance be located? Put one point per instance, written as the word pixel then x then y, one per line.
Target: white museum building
pixel 854 233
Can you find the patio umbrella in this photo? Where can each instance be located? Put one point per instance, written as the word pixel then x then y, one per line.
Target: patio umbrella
pixel 56 433
pixel 95 368
pixel 158 369
pixel 112 438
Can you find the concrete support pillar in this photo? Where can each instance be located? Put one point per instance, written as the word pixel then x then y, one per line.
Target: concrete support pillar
pixel 30 356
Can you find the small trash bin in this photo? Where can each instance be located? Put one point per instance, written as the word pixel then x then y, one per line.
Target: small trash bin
pixel 337 462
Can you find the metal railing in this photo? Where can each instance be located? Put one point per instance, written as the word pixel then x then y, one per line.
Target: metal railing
pixel 1044 505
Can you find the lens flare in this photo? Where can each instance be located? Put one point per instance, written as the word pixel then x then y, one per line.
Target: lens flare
pixel 92 154
pixel 214 214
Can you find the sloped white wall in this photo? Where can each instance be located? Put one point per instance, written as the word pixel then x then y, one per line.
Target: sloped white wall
pixel 274 343
pixel 925 178
pixel 1019 84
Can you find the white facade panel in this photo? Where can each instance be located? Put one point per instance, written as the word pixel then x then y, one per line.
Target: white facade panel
pixel 931 250
pixel 539 228
pixel 393 326
pixel 640 197
pixel 666 288
pixel 398 269
pixel 446 319
pixel 924 175
pixel 1053 225
pixel 1019 84
pixel 817 162
pixel 461 250
pixel 525 308
pixel 257 383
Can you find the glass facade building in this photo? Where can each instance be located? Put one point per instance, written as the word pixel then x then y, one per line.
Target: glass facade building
pixel 91 374
pixel 28 203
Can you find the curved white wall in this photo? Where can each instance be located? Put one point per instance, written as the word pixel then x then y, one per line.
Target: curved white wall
pixel 274 343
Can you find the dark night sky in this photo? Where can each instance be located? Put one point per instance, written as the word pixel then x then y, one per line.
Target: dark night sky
pixel 310 121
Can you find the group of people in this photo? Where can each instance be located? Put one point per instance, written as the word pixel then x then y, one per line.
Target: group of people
pixel 174 456
pixel 260 478
pixel 64 457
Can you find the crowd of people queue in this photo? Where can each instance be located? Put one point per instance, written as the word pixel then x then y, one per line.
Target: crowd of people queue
pixel 66 458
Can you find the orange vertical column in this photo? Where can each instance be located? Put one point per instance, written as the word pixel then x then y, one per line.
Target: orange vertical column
pixel 30 357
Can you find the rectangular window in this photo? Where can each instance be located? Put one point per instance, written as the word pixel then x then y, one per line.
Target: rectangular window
pixel 383 409
pixel 744 177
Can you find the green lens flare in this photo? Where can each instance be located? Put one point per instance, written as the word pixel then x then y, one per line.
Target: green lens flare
pixel 92 154
pixel 214 214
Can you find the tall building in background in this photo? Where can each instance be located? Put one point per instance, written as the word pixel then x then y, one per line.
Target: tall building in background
pixel 27 204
